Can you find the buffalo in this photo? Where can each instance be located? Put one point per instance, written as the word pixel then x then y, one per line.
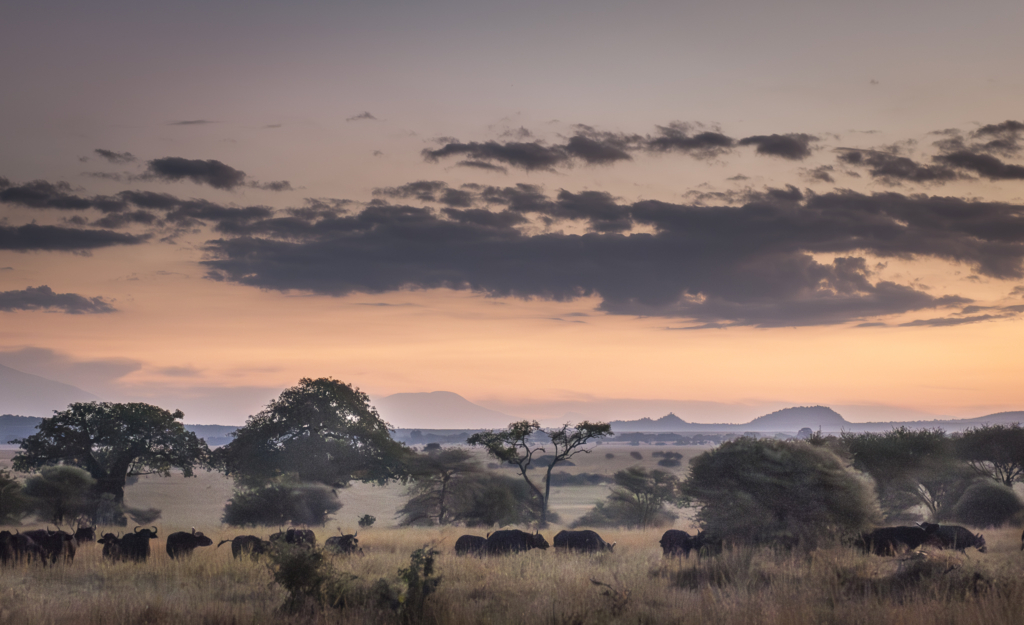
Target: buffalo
pixel 886 541
pixel 111 546
pixel 135 546
pixel 581 540
pixel 953 537
pixel 513 541
pixel 469 544
pixel 85 535
pixel 6 547
pixel 303 538
pixel 54 545
pixel 24 548
pixel 252 545
pixel 183 543
pixel 345 544
pixel 676 543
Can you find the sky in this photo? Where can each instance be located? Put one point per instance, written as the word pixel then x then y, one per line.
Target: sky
pixel 532 205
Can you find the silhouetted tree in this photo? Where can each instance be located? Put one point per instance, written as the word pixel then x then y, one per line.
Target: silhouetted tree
pixel 321 431
pixel 637 500
pixel 114 442
pixel 513 445
pixel 281 502
pixel 771 491
pixel 995 451
pixel 14 506
pixel 61 494
pixel 436 476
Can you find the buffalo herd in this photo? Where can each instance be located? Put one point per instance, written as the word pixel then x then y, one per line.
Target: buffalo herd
pixel 49 546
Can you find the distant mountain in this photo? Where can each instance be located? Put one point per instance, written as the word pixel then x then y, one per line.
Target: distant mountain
pixel 668 423
pixel 814 417
pixel 438 410
pixel 33 396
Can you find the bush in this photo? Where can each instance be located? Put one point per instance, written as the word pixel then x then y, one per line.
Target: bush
pixel 986 503
pixel 669 462
pixel 637 500
pixel 609 456
pixel 60 494
pixel 367 520
pixel 636 455
pixel 14 506
pixel 307 577
pixel 562 478
pixel 777 492
pixel 281 503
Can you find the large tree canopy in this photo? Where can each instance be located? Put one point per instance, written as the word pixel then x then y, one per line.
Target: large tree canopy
pixel 321 431
pixel 114 442
pixel 995 451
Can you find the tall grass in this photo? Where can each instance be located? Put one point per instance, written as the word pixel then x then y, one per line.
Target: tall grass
pixel 634 584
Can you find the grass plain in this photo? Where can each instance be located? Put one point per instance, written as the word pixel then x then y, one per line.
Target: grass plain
pixel 635 584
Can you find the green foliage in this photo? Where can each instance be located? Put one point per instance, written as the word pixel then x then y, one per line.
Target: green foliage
pixel 14 506
pixel 420 582
pixel 308 578
pixel 995 451
pixel 323 431
pixel 637 501
pixel 281 502
pixel 437 476
pixel 515 445
pixel 770 491
pixel 367 520
pixel 986 504
pixel 61 494
pixel 910 468
pixel 114 442
pixel 479 499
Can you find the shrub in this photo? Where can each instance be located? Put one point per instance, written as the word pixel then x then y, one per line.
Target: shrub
pixel 281 503
pixel 60 494
pixel 636 455
pixel 986 503
pixel 367 520
pixel 14 506
pixel 771 491
pixel 562 478
pixel 609 456
pixel 307 577
pixel 669 462
pixel 637 500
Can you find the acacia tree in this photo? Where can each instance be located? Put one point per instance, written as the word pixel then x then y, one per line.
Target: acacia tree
pixel 438 474
pixel 994 451
pixel 637 500
pixel 114 442
pixel 513 445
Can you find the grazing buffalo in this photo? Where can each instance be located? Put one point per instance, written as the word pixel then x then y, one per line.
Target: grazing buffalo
pixel 304 538
pixel 183 543
pixel 513 541
pixel 581 540
pixel 6 547
pixel 111 546
pixel 135 546
pixel 346 544
pixel 54 545
pixel 252 545
pixel 676 543
pixel 468 544
pixel 25 549
pixel 85 535
pixel 888 541
pixel 953 537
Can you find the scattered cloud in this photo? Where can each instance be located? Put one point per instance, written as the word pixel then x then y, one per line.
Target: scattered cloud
pixel 33 237
pixel 192 122
pixel 364 115
pixel 118 158
pixel 795 146
pixel 210 172
pixel 44 298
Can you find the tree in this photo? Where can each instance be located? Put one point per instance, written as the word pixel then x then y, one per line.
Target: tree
pixel 512 445
pixel 985 504
pixel 114 442
pixel 995 451
pixel 436 476
pixel 771 491
pixel 320 432
pixel 637 500
pixel 910 468
pixel 14 506
pixel 61 494
pixel 281 502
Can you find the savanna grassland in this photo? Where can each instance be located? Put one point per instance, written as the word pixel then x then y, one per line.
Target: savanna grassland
pixel 634 584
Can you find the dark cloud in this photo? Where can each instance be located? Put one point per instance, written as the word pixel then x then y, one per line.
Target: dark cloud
pixel 757 264
pixel 600 148
pixel 985 165
pixel 531 156
pixel 1004 138
pixel 43 194
pixel 363 115
pixel 32 237
pixel 43 298
pixel 795 146
pixel 278 185
pixel 104 175
pixel 892 169
pixel 821 174
pixel 192 122
pixel 689 139
pixel 948 321
pixel 119 158
pixel 483 165
pixel 429 191
pixel 211 172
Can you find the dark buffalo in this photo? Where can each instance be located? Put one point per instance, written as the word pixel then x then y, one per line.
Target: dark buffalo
pixel 953 537
pixel 887 541
pixel 6 547
pixel 55 545
pixel 85 535
pixel 581 540
pixel 346 544
pixel 468 544
pixel 111 546
pixel 513 541
pixel 676 543
pixel 25 549
pixel 304 538
pixel 183 544
pixel 252 545
pixel 135 546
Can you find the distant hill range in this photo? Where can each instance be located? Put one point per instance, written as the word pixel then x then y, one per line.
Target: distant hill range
pixel 26 394
pixel 438 410
pixel 814 417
